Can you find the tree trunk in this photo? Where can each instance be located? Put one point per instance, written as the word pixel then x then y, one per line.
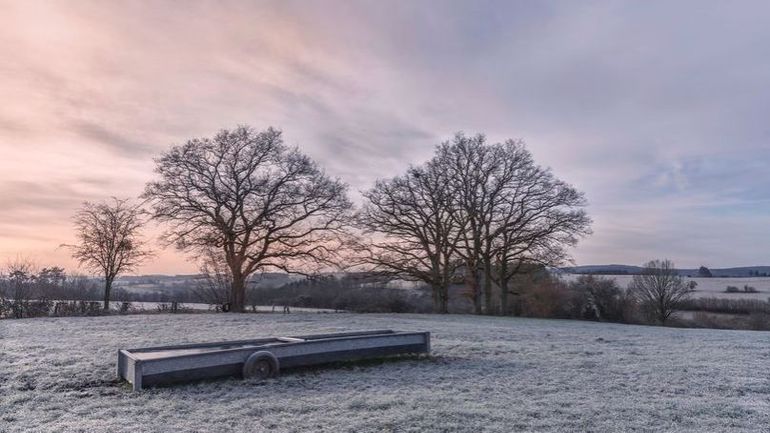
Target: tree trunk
pixel 488 305
pixel 238 292
pixel 662 310
pixel 436 295
pixel 473 284
pixel 503 296
pixel 107 290
pixel 444 299
pixel 440 298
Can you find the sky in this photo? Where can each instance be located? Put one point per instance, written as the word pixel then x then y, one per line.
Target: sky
pixel 656 110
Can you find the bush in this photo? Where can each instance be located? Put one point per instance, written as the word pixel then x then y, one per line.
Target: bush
pixel 77 308
pixel 5 307
pixel 746 289
pixel 702 319
pixel 549 298
pixel 600 299
pixel 24 308
pixel 172 307
pixel 726 306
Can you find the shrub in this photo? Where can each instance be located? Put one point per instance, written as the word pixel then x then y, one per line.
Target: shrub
pixel 5 307
pixel 746 289
pixel 549 298
pixel 172 307
pixel 77 308
pixel 726 306
pixel 702 319
pixel 599 299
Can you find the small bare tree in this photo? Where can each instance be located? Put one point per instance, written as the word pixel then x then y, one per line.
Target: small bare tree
pixel 258 203
pixel 108 240
pixel 19 284
pixel 660 288
pixel 19 279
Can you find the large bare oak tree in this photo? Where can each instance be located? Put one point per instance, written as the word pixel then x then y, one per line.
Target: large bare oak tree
pixel 253 199
pixel 108 240
pixel 471 166
pixel 535 218
pixel 515 214
pixel 482 211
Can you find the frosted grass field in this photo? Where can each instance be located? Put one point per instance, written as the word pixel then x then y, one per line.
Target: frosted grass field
pixel 486 374
pixel 707 287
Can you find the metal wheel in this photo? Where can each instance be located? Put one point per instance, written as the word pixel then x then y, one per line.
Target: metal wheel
pixel 260 365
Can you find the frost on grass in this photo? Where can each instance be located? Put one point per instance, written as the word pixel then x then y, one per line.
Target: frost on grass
pixel 486 374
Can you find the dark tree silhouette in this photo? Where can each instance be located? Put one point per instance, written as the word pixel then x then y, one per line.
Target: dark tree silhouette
pixel 471 168
pixel 514 213
pixel 481 211
pixel 414 230
pixel 258 203
pixel 704 272
pixel 535 218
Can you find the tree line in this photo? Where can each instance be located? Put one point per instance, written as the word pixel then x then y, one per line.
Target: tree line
pixel 242 201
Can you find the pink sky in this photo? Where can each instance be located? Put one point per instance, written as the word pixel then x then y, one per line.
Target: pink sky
pixel 626 101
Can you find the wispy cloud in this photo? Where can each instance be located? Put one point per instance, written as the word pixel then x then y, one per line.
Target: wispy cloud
pixel 657 110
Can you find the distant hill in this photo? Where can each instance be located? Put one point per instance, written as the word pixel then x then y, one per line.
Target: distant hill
pixel 744 271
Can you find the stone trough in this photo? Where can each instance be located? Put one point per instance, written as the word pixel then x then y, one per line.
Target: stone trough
pixel 262 357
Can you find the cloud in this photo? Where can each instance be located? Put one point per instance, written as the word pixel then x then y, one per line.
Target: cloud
pixel 657 110
pixel 111 139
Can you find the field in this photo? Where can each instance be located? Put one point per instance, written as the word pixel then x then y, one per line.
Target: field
pixel 708 287
pixel 486 374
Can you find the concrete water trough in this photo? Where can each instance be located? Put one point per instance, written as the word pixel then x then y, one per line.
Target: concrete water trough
pixel 261 357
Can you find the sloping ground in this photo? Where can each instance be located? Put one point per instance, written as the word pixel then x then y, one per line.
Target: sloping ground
pixel 487 374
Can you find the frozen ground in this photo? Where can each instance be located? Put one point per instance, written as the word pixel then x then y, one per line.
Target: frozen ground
pixel 486 374
pixel 153 306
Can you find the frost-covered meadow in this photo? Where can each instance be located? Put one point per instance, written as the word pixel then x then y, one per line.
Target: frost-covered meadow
pixel 486 374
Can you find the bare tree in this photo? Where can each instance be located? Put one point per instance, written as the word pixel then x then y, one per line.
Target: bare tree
pixel 485 211
pixel 257 202
pixel 19 286
pixel 514 213
pixel 471 166
pixel 415 231
pixel 535 218
pixel 660 288
pixel 108 240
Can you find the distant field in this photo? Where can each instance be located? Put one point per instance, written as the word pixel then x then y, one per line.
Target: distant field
pixel 709 287
pixel 489 374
